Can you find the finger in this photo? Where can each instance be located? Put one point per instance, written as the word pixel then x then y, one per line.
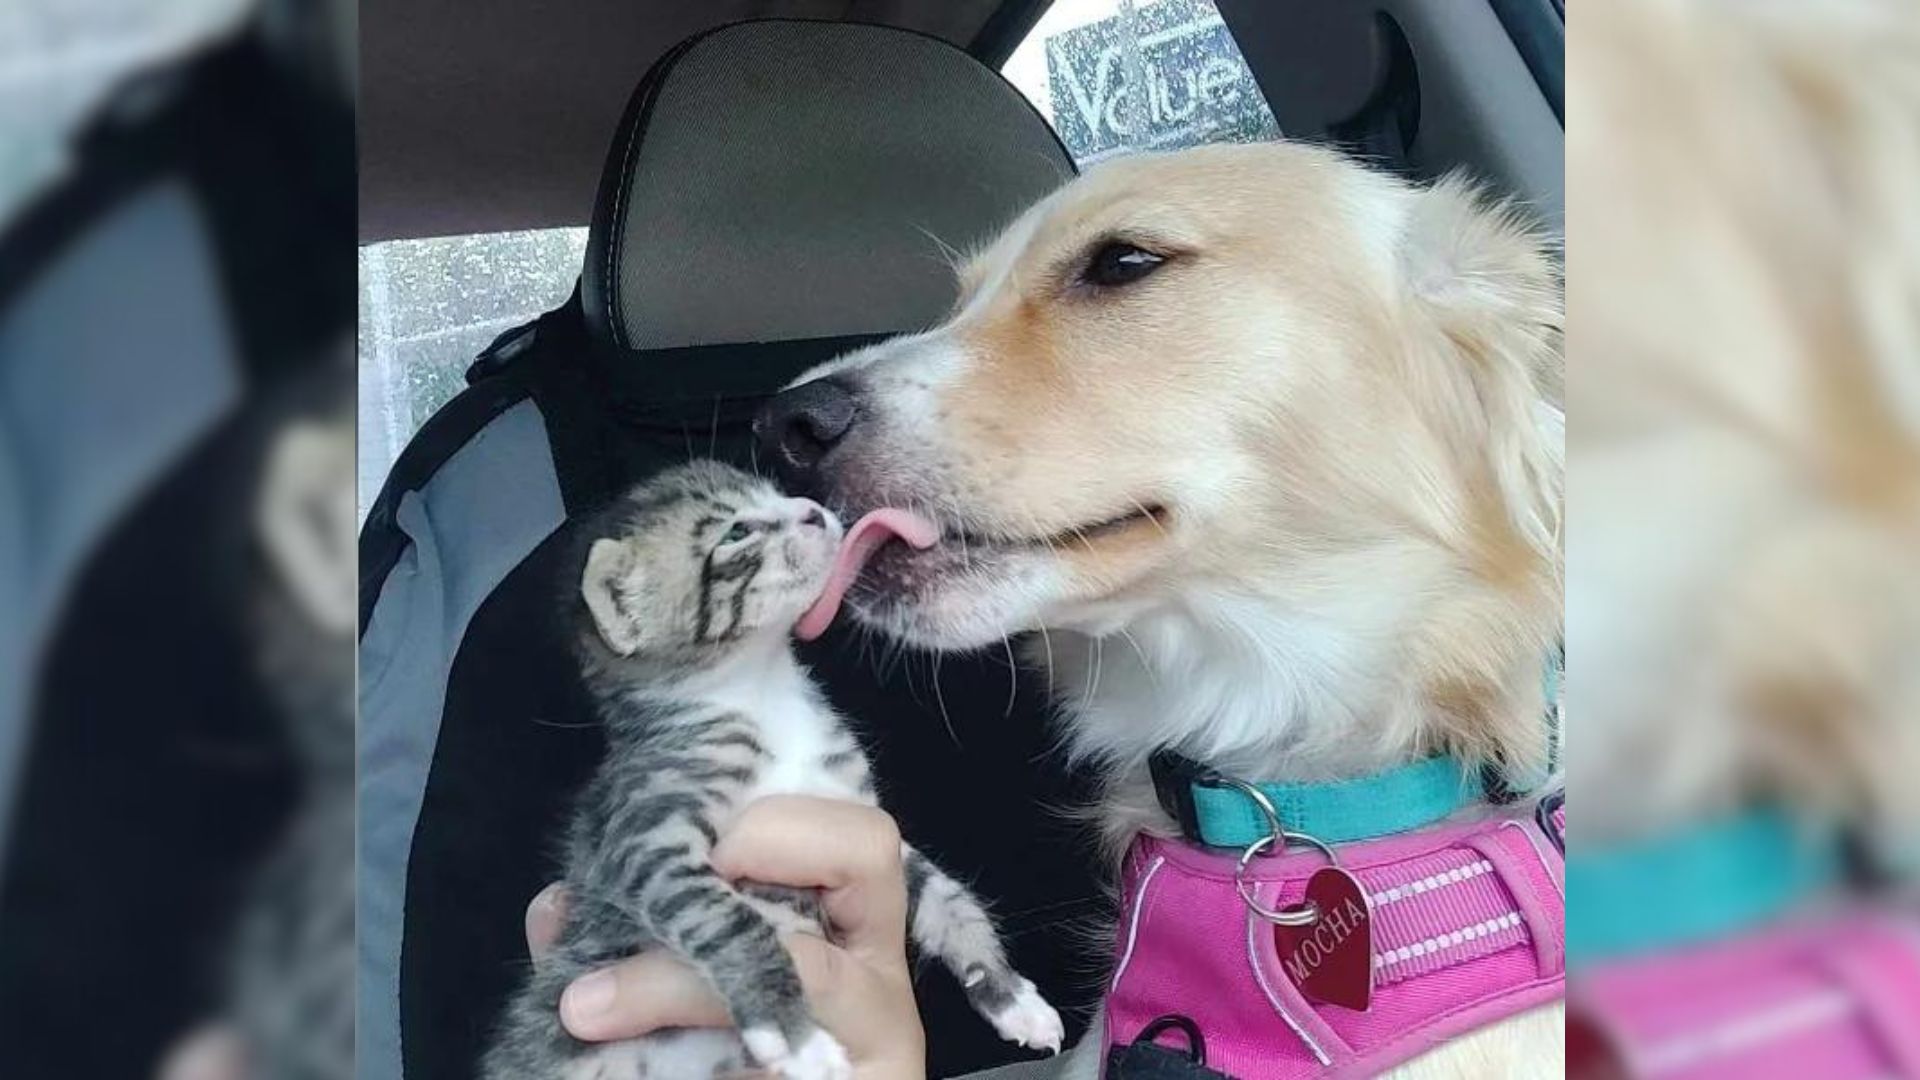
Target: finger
pixel 850 852
pixel 840 989
pixel 655 990
pixel 804 841
pixel 637 995
pixel 545 915
pixel 869 1009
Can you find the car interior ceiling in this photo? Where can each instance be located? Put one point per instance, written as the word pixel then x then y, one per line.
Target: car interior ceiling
pixel 489 118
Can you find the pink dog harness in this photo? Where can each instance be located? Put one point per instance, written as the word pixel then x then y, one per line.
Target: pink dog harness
pixel 1466 926
pixel 1836 998
pixel 1713 953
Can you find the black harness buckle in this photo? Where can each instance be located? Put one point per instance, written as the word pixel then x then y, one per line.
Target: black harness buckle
pixel 1145 1059
pixel 1543 816
pixel 1173 780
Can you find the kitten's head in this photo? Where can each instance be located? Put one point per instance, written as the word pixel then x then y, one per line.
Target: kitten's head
pixel 700 557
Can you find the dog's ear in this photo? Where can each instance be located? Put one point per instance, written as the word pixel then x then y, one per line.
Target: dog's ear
pixel 611 585
pixel 1491 283
pixel 1492 276
pixel 1487 286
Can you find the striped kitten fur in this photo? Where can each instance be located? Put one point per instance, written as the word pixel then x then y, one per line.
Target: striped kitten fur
pixel 680 616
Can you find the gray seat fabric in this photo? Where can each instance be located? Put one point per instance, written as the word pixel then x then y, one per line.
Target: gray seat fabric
pixel 93 409
pixel 485 508
pixel 793 179
pixel 1045 1069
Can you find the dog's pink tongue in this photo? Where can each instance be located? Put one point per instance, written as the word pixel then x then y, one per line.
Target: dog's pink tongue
pixel 867 536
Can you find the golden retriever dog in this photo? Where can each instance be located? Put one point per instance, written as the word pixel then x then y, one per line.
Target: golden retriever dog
pixel 1257 440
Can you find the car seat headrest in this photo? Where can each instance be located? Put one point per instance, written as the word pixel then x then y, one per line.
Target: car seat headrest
pixel 781 180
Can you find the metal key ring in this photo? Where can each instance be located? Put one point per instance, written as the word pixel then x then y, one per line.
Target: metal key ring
pixel 1305 916
pixel 1277 832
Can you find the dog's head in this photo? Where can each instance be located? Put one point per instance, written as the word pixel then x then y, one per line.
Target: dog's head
pixel 1258 374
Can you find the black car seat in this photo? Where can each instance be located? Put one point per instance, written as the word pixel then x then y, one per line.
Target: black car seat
pixel 777 192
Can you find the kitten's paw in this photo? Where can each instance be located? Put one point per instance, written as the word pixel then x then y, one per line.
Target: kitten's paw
pixel 1029 1021
pixel 818 1057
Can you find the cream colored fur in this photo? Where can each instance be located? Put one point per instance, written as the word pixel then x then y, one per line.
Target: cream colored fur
pixel 1322 425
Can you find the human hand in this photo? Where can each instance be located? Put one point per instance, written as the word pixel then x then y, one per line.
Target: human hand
pixel 859 988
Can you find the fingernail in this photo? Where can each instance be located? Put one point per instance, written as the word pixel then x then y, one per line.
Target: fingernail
pixel 588 997
pixel 546 903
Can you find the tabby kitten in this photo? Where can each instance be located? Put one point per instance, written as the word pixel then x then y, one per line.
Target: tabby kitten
pixel 690 585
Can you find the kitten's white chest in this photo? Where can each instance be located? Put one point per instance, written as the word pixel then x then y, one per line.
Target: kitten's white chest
pixel 795 729
pixel 797 736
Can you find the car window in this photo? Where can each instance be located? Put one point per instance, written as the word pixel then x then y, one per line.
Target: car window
pixel 1115 76
pixel 427 307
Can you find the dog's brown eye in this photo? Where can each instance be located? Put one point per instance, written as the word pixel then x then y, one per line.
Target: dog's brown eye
pixel 1117 263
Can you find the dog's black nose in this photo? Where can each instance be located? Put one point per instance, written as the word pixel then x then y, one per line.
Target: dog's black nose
pixel 799 426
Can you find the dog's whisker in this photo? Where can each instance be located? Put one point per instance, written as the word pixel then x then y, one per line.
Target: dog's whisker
pixel 1093 670
pixel 1153 678
pixel 1039 530
pixel 953 256
pixel 1013 677
pixel 1046 640
pixel 1151 516
pixel 940 699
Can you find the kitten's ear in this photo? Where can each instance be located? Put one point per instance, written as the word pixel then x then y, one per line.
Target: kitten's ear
pixel 609 586
pixel 305 520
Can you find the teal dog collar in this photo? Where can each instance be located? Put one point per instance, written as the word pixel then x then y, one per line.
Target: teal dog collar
pixel 1693 886
pixel 1218 812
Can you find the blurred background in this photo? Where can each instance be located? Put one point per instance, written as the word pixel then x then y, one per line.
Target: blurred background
pixel 176 519
pixel 1743 548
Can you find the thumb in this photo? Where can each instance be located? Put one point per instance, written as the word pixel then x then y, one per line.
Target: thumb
pixel 869 1008
pixel 546 915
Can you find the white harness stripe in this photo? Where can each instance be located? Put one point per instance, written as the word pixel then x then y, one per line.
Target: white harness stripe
pixel 1448 940
pixel 1133 925
pixel 1428 884
pixel 1733 1036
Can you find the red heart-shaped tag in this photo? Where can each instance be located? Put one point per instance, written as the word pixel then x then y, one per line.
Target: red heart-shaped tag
pixel 1591 1053
pixel 1332 960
